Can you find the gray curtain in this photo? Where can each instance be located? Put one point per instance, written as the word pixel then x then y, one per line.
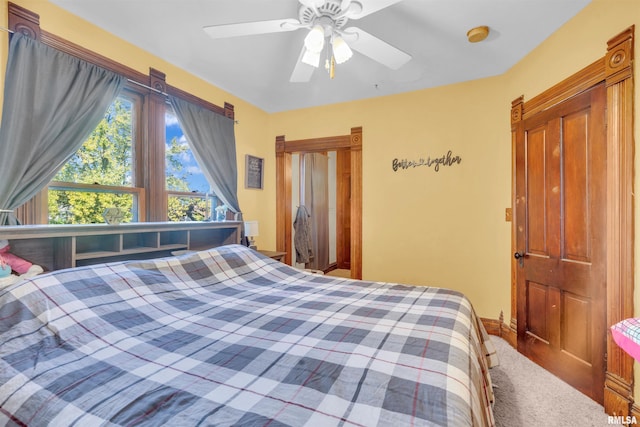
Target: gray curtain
pixel 52 102
pixel 213 142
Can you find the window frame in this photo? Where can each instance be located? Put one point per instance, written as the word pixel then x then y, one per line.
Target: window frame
pixel 133 95
pixel 214 200
pixel 139 205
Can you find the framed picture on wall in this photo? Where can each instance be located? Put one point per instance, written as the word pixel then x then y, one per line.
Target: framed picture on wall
pixel 253 172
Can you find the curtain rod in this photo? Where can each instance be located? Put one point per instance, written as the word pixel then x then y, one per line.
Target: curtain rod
pixel 129 80
pixel 148 87
pixel 158 91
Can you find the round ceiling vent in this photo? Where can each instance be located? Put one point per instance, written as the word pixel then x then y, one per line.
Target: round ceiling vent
pixel 477 34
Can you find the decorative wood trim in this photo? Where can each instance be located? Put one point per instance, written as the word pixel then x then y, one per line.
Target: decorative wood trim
pixel 229 111
pixel 280 142
pixel 500 329
pixel 492 326
pixel 157 80
pixel 510 335
pixel 579 82
pixel 517 108
pixel 33 212
pixel 356 202
pixel 28 23
pixel 620 212
pixel 155 153
pixel 618 395
pixel 635 411
pixel 619 58
pixel 283 200
pixel 24 21
pixel 318 145
pixel 616 70
pixel 284 149
pixel 343 210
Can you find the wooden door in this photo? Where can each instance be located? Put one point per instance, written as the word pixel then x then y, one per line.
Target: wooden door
pixel 561 240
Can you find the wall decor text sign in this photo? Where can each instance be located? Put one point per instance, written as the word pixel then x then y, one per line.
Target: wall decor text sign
pixel 446 160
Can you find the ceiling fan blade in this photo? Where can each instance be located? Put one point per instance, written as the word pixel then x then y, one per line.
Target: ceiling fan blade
pixel 360 9
pixel 302 72
pixel 374 48
pixel 252 28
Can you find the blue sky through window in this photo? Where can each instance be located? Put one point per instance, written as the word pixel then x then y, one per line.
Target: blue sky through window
pixel 195 177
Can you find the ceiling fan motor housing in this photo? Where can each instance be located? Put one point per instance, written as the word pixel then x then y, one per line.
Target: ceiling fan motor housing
pixel 330 15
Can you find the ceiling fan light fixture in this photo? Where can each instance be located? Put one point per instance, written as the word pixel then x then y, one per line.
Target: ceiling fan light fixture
pixel 311 58
pixel 314 41
pixel 341 50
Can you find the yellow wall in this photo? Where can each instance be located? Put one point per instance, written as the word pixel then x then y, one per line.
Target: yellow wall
pixel 443 228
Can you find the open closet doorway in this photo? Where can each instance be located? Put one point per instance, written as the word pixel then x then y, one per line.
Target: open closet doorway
pixel 343 155
pixel 321 198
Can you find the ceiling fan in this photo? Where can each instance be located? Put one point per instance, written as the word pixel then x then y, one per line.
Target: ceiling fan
pixel 325 20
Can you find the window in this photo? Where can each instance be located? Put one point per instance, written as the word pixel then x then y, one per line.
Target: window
pixel 102 173
pixel 122 163
pixel 189 195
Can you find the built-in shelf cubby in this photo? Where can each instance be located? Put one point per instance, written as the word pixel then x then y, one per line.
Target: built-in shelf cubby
pixel 140 241
pixel 176 237
pixel 97 245
pixel 62 246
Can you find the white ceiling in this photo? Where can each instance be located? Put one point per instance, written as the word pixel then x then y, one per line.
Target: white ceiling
pixel 257 68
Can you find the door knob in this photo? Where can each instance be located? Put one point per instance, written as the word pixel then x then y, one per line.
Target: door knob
pixel 518 255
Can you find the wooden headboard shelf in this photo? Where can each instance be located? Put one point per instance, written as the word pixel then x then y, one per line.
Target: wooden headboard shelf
pixel 55 247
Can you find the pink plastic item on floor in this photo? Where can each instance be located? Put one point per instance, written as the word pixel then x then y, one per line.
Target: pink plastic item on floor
pixel 627 335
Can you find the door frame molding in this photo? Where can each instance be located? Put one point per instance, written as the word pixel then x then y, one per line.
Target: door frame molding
pixel 616 70
pixel 284 215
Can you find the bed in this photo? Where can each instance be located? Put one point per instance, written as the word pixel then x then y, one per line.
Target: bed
pixel 231 337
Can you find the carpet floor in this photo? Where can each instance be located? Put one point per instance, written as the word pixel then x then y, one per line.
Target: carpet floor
pixel 528 396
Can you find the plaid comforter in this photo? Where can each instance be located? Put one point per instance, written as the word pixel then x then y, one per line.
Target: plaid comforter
pixel 230 337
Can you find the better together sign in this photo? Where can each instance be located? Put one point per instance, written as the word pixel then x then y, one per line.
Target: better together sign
pixel 436 163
